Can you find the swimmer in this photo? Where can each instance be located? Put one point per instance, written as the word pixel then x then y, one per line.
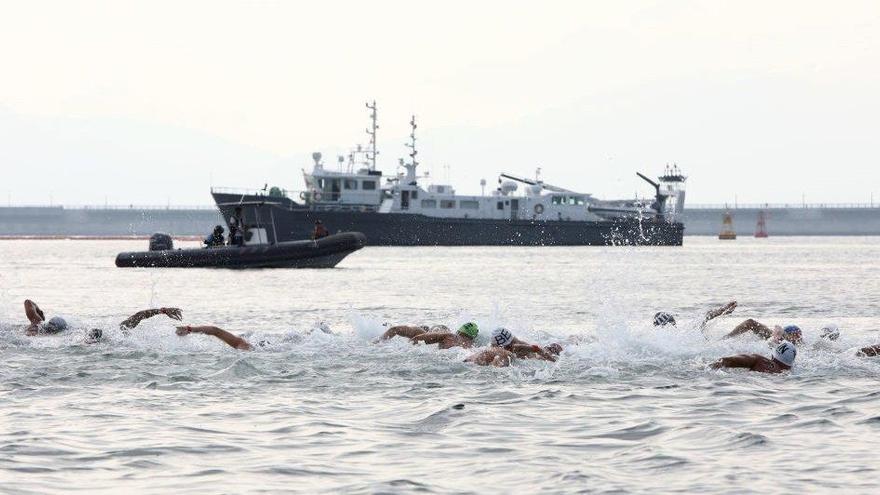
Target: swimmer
pixel 662 318
pixel 445 340
pixel 503 338
pixel 870 351
pixel 58 324
pixel 232 340
pixel 790 333
pixel 493 356
pixel 781 360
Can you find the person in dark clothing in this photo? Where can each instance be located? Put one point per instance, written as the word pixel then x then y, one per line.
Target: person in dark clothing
pixel 320 231
pixel 215 238
pixel 236 228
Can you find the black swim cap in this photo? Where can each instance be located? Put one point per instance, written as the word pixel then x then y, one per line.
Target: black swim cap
pixel 661 319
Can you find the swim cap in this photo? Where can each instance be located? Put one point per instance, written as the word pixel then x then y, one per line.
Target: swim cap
pixel 502 337
pixel 785 353
pixel 95 335
pixel 469 329
pixel 56 324
pixel 792 329
pixel 661 319
pixel 830 331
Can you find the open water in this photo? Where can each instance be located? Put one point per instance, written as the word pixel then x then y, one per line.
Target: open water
pixel 626 409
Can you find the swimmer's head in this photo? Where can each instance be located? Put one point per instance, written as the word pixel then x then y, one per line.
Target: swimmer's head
pixel 792 333
pixel 830 331
pixel 785 354
pixel 501 337
pixel 554 349
pixel 662 318
pixel 55 325
pixel 95 335
pixel 469 329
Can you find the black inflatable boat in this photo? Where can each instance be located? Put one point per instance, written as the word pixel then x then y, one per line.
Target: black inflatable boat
pixel 322 253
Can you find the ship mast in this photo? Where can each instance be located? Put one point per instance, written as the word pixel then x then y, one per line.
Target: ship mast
pixel 411 166
pixel 371 131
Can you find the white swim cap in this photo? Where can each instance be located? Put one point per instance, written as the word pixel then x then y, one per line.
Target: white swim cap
pixel 830 331
pixel 502 337
pixel 785 353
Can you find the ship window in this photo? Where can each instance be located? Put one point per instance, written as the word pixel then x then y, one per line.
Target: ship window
pixel 558 200
pixel 429 203
pixel 350 184
pixel 572 200
pixel 447 203
pixel 501 205
pixel 469 205
pixel 441 189
pixel 369 185
pixel 580 201
pixel 415 195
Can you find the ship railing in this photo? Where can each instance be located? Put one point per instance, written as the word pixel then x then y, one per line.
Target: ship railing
pixel 112 207
pixel 287 193
pixel 780 206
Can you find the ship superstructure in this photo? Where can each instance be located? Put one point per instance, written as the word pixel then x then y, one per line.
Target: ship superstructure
pixel 519 210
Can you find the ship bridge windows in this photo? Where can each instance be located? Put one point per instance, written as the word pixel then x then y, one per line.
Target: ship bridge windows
pixel 501 205
pixel 368 185
pixel 350 184
pixel 469 204
pixel 429 203
pixel 447 203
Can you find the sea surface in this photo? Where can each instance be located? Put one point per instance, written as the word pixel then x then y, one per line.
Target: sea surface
pixel 626 409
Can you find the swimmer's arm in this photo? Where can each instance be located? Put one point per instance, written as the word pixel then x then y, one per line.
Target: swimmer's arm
pixel 402 331
pixel 741 361
pixel 230 339
pixel 430 337
pixel 34 315
pixel 135 319
pixel 723 310
pixel 524 350
pixel 753 326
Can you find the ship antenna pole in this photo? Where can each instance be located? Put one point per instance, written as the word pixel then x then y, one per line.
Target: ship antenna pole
pixel 372 133
pixel 412 142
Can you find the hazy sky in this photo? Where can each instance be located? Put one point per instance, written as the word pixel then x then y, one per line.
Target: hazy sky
pixel 153 102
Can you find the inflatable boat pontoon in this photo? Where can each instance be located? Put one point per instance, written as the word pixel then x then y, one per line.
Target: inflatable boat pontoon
pixel 322 253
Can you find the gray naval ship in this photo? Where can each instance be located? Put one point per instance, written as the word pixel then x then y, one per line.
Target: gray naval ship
pixel 399 211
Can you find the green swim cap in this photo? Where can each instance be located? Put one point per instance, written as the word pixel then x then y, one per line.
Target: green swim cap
pixel 470 329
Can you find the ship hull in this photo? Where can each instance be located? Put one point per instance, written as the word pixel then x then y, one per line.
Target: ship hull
pixel 285 220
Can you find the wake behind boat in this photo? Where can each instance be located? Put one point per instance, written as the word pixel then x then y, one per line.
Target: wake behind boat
pixel 326 252
pixel 399 211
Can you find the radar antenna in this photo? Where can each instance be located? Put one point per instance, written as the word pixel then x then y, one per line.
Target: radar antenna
pixel 371 131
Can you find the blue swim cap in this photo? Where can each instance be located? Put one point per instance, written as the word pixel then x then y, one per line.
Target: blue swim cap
pixel 792 329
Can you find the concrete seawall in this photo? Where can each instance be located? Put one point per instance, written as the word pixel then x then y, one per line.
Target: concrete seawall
pixel 139 221
pixel 59 221
pixel 786 221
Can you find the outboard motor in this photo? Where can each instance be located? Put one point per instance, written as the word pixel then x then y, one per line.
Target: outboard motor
pixel 161 242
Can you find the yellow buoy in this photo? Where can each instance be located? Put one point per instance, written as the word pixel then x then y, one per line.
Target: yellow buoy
pixel 727 233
